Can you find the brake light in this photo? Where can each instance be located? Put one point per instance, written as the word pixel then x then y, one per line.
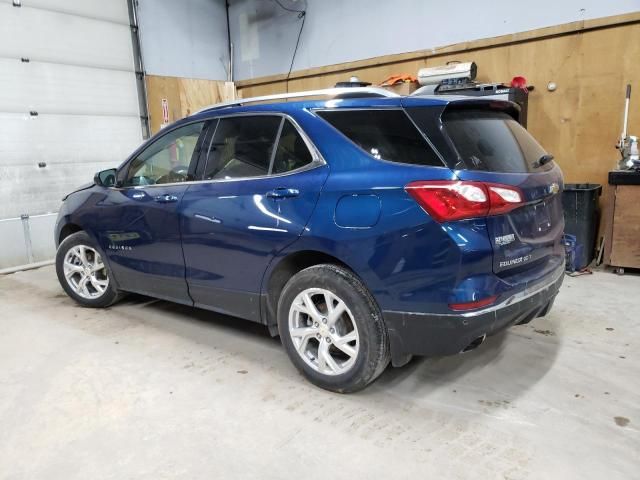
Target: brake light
pixel 473 305
pixel 448 200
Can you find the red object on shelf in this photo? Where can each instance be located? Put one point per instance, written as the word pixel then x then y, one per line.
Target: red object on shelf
pixel 520 82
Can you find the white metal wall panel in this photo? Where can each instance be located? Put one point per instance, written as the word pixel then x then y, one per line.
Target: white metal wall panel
pixel 56 88
pixel 31 189
pixel 73 147
pixel 61 139
pixel 80 81
pixel 43 245
pixel 110 10
pixel 12 246
pixel 43 35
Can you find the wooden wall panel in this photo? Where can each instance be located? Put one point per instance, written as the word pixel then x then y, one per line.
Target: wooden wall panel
pixel 196 93
pixel 157 89
pixel 184 96
pixel 579 122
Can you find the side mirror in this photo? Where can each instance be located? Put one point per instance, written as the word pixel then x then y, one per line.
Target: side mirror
pixel 105 178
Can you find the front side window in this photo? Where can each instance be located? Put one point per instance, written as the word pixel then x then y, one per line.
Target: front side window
pixel 242 147
pixel 167 159
pixel 384 134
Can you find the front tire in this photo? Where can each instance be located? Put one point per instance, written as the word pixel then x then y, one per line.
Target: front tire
pixel 332 328
pixel 82 272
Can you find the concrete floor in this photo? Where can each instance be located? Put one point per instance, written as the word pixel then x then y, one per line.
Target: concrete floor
pixel 148 389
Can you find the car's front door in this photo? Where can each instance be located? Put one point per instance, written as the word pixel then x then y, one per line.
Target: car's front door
pixel 262 179
pixel 138 226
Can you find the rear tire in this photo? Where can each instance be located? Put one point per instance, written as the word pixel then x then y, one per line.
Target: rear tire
pixel 83 274
pixel 332 328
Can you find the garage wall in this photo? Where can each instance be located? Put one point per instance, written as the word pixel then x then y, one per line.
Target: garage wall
pixel 591 62
pixel 183 96
pixel 68 103
pixel 339 31
pixel 184 38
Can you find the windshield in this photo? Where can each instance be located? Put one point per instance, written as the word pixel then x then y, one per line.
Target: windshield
pixel 493 141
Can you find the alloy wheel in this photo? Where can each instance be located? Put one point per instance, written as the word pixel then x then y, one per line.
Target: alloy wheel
pixel 85 272
pixel 323 331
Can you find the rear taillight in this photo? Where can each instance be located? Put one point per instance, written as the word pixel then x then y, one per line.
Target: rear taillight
pixel 450 200
pixel 503 198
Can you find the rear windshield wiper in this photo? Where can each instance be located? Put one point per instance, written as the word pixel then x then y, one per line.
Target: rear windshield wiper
pixel 543 160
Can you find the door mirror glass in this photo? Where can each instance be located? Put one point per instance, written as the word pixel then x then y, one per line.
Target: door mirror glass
pixel 105 178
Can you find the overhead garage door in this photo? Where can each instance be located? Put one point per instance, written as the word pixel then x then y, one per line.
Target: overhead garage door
pixel 72 106
pixel 68 99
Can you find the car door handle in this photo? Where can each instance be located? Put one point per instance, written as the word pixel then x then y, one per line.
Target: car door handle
pixel 283 193
pixel 166 198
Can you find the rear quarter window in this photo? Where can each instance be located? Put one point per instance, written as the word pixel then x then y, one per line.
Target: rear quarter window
pixel 384 134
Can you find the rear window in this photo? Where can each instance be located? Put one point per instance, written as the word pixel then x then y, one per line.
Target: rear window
pixel 383 134
pixel 492 141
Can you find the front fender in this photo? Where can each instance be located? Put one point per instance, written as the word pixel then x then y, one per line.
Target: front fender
pixel 72 212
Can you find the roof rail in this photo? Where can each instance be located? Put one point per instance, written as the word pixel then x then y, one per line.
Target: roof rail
pixel 330 92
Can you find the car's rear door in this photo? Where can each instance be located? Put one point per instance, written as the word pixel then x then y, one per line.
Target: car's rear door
pixel 261 181
pixel 490 146
pixel 527 236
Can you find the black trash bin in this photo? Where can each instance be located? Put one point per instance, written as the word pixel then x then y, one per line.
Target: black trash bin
pixel 581 217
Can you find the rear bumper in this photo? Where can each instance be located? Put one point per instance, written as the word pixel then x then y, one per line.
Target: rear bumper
pixel 446 334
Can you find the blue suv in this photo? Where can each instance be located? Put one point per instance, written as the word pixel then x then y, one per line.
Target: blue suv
pixel 362 228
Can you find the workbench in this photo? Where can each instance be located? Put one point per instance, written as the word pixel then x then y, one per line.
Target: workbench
pixel 622 240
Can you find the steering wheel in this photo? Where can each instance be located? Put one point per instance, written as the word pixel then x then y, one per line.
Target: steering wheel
pixel 177 174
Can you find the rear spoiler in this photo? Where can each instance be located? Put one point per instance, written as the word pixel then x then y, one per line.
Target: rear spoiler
pixel 510 108
pixel 450 102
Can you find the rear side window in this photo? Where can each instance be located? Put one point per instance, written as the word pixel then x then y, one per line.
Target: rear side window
pixel 242 147
pixel 384 134
pixel 492 141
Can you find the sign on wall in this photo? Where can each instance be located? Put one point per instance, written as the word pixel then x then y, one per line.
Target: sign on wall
pixel 165 113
